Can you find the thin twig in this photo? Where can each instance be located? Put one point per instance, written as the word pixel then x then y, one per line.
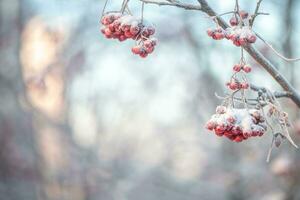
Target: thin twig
pixel 255 12
pixel 275 51
pixel 103 10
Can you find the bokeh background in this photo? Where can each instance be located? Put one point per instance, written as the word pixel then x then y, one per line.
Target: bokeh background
pixel 82 118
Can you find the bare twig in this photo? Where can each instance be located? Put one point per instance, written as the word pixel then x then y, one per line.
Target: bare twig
pixel 275 51
pixel 255 12
pixel 124 4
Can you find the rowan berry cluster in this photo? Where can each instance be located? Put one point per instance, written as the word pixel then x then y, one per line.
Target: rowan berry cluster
pixel 237 124
pixel 240 33
pixel 125 26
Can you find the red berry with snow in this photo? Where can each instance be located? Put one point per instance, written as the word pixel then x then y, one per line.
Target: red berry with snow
pixel 244 85
pixel 243 14
pixel 237 67
pixel 234 21
pixel 247 68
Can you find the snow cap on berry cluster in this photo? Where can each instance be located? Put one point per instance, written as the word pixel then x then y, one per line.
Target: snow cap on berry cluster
pixel 125 26
pixel 237 124
pixel 240 35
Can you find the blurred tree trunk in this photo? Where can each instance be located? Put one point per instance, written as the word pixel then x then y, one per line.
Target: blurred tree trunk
pixel 18 169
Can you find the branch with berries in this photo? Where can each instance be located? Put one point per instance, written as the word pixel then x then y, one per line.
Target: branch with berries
pixel 239 117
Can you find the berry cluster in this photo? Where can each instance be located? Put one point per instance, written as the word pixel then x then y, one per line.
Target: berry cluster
pixel 235 83
pixel 237 124
pixel 240 33
pixel 125 26
pixel 244 15
pixel 216 34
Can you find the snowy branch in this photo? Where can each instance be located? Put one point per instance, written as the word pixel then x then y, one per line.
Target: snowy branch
pixel 289 90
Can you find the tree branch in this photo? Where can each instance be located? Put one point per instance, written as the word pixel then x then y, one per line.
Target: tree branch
pixel 256 55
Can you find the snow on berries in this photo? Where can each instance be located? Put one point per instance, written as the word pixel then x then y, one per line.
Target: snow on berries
pixel 240 32
pixel 125 26
pixel 237 124
pixel 240 35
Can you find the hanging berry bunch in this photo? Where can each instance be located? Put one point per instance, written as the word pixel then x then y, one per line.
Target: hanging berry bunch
pixel 123 25
pixel 240 32
pixel 237 124
pixel 248 118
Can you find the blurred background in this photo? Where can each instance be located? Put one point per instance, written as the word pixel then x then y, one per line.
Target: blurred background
pixel 82 118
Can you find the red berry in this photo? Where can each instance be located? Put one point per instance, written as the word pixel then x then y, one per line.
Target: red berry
pixel 111 27
pixel 148 44
pixel 134 30
pixel 210 32
pixel 251 38
pixel 237 43
pixel 220 109
pixel 136 49
pixel 151 30
pixel 149 50
pixel 145 32
pixel 242 41
pixel 233 85
pixel 220 128
pixel 128 34
pixel 154 41
pixel 103 29
pixel 236 130
pixel 247 68
pixel 243 14
pixel 228 133
pixel 232 137
pixel 219 36
pixel 233 21
pixel 237 67
pixel 230 119
pixel 244 85
pixel 108 33
pixel 238 139
pixel 122 38
pixel 143 53
pixel 210 125
pixel 219 131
